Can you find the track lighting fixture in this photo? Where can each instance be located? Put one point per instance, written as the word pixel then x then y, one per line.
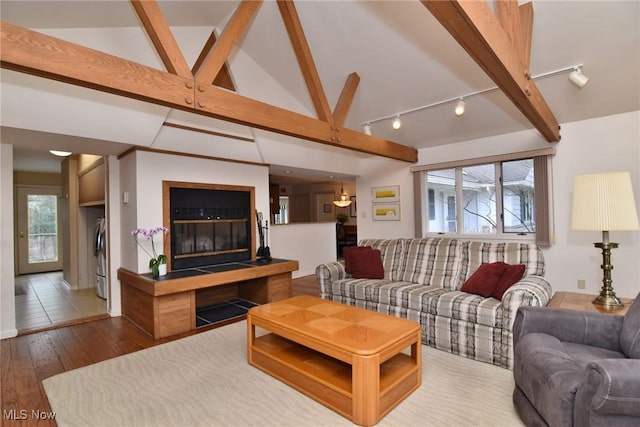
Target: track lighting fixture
pixel 459 110
pixel 397 122
pixel 367 129
pixel 577 78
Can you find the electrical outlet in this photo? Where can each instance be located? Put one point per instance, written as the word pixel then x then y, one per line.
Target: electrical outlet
pixel 582 284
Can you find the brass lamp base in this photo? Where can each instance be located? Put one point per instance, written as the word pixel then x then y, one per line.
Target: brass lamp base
pixel 607 296
pixel 608 300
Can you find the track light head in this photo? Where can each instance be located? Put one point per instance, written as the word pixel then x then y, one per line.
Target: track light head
pixel 396 123
pixel 577 78
pixel 367 129
pixel 460 106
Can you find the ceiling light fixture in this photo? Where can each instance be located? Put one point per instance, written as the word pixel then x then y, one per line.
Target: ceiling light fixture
pixel 367 129
pixel 577 78
pixel 344 200
pixel 459 110
pixel 396 117
pixel 60 153
pixel 397 123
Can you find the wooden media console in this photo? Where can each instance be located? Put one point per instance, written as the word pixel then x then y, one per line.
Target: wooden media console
pixel 167 305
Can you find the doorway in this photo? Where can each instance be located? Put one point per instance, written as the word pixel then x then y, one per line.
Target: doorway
pixel 55 267
pixel 39 238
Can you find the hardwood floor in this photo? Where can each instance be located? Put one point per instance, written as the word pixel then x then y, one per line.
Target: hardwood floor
pixel 28 359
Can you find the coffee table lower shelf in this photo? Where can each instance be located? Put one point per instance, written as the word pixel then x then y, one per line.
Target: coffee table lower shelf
pixel 329 380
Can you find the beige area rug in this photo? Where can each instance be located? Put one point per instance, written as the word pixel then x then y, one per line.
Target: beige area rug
pixel 204 380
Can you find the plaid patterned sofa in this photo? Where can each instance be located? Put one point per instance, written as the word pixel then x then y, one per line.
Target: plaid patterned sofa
pixel 422 281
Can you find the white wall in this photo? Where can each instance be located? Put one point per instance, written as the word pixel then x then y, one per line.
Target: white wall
pixel 309 244
pixel 597 145
pixel 607 144
pixel 381 173
pixel 7 287
pixel 114 201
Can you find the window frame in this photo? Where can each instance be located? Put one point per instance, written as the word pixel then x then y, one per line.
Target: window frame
pixel 542 205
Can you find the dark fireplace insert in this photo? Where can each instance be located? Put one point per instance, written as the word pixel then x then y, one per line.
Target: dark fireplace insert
pixel 209 224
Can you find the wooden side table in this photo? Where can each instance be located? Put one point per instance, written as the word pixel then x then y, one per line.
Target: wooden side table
pixel 583 302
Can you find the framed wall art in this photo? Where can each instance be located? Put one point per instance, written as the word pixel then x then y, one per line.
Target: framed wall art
pixel 386 212
pixel 390 193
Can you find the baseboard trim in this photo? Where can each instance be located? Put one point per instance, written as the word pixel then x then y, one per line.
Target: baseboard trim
pixel 11 333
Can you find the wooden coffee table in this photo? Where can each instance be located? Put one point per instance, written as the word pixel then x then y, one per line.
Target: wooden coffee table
pixel 347 358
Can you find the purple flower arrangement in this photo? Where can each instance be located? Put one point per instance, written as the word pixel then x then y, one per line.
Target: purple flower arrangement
pixel 147 234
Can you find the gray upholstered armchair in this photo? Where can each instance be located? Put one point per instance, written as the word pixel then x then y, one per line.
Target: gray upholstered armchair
pixel 576 368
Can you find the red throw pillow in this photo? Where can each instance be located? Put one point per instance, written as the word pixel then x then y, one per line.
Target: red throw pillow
pixel 367 264
pixel 485 279
pixel 347 253
pixel 512 274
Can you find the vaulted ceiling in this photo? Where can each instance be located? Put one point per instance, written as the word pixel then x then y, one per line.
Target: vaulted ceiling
pixel 402 54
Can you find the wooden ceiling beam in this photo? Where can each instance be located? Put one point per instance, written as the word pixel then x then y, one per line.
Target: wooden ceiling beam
pixel 508 15
pixel 526 26
pixel 223 79
pixel 226 105
pixel 305 59
pixel 38 54
pixel 478 31
pixel 45 56
pixel 346 98
pixel 234 30
pixel 162 38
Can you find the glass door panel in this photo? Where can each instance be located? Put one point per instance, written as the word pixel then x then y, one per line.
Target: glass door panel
pixel 39 240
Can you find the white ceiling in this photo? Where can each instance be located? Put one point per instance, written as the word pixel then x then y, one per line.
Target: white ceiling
pixel 404 58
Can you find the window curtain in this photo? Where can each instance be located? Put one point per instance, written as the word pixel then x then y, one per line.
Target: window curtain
pixel 541 200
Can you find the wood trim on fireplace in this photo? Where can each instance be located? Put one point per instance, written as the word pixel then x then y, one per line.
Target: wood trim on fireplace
pixel 166 214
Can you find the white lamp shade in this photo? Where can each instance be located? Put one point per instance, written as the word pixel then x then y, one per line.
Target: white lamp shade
pixel 604 202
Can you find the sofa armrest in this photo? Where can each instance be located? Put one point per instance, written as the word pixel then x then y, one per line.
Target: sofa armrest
pixel 581 327
pixel 611 387
pixel 530 291
pixel 328 273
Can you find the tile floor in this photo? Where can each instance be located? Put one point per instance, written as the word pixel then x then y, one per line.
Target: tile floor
pixel 43 300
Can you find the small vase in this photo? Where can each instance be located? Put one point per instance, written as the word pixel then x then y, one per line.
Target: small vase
pixel 162 269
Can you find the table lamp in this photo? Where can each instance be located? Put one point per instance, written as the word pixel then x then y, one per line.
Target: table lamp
pixel 604 202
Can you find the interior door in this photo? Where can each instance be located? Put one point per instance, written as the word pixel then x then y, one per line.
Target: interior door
pixel 39 240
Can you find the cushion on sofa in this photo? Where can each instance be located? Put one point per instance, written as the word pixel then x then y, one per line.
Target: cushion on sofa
pixel 347 253
pixel 457 305
pixel 528 254
pixel 433 262
pixel 391 252
pixel 367 264
pixel 511 275
pixel 484 280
